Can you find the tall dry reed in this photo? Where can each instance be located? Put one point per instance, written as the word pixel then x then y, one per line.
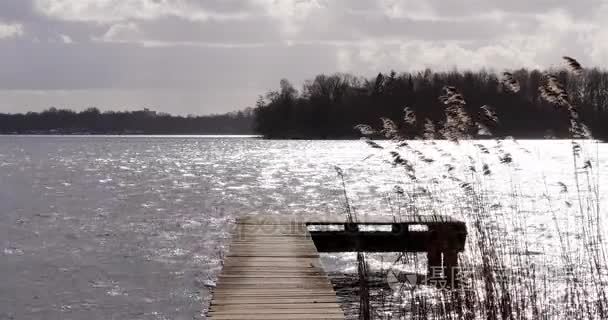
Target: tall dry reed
pixel 505 278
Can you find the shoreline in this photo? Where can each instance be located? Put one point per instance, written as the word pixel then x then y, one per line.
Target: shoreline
pixel 260 137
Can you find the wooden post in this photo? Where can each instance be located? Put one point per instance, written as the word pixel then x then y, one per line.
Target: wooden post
pixel 433 262
pixel 351 227
pixel 399 229
pixel 450 258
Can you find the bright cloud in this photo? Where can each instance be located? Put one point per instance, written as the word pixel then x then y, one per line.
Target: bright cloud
pixel 10 30
pixel 66 39
pixel 412 9
pixel 108 11
pixel 292 14
pixel 123 32
pixel 211 46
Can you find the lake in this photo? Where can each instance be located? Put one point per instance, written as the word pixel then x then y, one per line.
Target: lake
pixel 133 227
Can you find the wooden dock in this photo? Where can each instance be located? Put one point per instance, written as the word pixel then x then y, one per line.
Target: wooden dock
pixel 440 237
pixel 272 269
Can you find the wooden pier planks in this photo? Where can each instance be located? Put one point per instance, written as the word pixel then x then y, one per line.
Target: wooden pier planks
pixel 272 271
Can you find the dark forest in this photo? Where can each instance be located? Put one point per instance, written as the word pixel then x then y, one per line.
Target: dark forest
pixel 92 121
pixel 331 106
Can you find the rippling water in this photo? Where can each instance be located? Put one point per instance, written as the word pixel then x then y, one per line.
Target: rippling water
pixel 134 227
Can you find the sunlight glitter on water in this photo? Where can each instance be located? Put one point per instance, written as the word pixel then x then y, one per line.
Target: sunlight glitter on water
pixel 151 215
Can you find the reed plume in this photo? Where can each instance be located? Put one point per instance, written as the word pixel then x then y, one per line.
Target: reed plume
pixel 574 65
pixel 506 284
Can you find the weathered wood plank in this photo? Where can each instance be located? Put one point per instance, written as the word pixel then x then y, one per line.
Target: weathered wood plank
pixel 288 311
pixel 272 271
pixel 272 300
pixel 250 316
pixel 275 306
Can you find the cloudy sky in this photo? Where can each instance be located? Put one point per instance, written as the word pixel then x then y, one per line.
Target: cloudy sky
pixel 206 56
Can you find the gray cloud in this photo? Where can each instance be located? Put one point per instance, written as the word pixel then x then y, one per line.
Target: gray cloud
pixel 193 56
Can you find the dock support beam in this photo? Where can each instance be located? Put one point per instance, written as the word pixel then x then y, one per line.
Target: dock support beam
pixel 441 238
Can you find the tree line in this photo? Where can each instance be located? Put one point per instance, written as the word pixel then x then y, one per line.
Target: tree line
pixel 93 121
pixel 330 106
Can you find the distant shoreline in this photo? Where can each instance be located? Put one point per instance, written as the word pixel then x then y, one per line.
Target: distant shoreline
pixel 207 135
pixel 259 137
